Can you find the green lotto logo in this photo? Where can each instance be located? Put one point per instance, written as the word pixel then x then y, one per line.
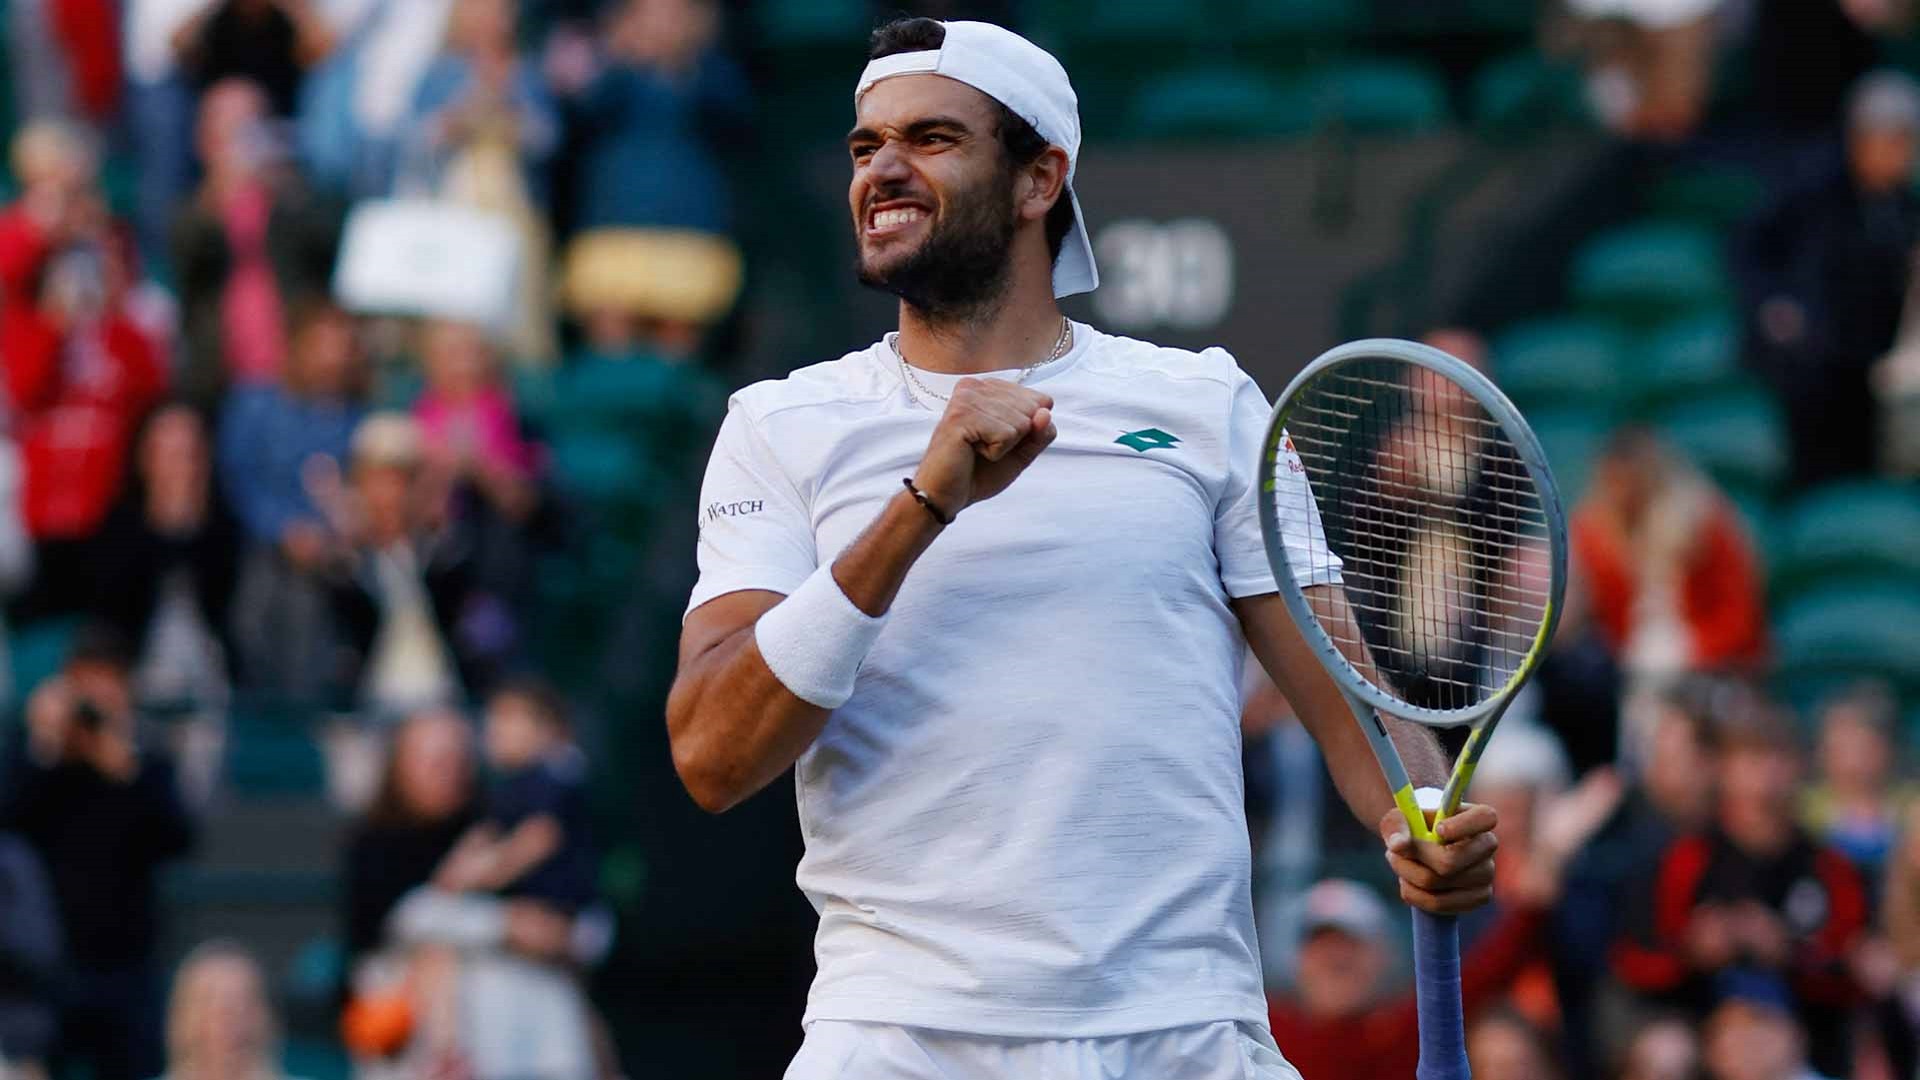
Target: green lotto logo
pixel 1148 439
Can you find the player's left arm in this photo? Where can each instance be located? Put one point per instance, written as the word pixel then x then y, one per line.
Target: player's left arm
pixel 1448 877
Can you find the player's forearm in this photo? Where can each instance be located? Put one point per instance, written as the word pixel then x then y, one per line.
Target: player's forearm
pixel 735 726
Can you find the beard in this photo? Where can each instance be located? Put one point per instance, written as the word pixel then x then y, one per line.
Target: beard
pixel 963 264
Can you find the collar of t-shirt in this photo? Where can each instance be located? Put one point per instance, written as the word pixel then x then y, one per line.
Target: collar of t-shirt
pixel 943 382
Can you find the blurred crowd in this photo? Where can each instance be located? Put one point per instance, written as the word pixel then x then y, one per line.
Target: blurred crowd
pixel 232 481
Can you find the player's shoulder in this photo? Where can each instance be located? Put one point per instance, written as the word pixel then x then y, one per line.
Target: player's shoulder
pixel 847 380
pixel 1118 356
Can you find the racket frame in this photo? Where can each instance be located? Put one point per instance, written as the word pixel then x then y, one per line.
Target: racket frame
pixel 1367 700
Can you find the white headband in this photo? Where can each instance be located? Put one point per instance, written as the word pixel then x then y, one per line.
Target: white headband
pixel 1026 79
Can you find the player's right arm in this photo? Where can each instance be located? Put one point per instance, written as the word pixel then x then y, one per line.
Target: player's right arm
pixel 734 724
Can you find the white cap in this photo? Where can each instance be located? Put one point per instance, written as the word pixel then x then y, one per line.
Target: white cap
pixel 1026 79
pixel 1347 906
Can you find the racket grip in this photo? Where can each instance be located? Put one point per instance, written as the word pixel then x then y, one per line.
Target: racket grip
pixel 1436 979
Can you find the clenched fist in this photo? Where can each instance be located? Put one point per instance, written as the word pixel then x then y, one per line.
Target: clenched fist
pixel 992 430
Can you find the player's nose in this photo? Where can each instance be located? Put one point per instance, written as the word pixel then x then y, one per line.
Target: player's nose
pixel 888 163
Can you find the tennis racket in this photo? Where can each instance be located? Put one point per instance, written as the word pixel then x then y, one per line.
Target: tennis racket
pixel 1415 504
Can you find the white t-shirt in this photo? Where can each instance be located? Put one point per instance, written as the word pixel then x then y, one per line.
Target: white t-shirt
pixel 1028 820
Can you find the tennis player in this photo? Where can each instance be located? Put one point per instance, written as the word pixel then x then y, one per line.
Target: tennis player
pixel 987 584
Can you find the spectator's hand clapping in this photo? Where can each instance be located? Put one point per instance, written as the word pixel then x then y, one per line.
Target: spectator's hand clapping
pixel 1562 826
pixel 571 62
pixel 1762 935
pixel 50 712
pixel 1711 940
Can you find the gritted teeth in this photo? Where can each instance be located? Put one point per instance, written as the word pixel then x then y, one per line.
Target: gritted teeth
pixel 886 219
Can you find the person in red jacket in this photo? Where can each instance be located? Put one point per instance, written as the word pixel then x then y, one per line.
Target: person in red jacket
pixel 1672 574
pixel 79 374
pixel 1752 894
pixel 1338 1025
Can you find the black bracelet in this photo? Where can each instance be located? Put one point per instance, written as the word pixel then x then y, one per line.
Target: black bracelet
pixel 919 496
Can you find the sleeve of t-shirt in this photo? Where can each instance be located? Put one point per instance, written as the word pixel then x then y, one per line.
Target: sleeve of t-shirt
pixel 755 532
pixel 1244 569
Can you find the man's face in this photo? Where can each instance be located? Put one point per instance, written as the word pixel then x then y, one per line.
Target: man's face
pixel 931 195
pixel 1758 779
pixel 1749 1042
pixel 1338 972
pixel 1881 160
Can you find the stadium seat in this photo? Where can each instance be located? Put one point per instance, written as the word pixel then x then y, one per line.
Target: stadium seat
pixel 1395 96
pixel 814 22
pixel 601 468
pixel 1301 20
pixel 271 748
pixel 1847 532
pixel 1687 356
pixel 1712 195
pixel 1737 435
pixel 37 650
pixel 1651 271
pixel 1525 92
pixel 1826 638
pixel 1572 437
pixel 1218 101
pixel 1568 360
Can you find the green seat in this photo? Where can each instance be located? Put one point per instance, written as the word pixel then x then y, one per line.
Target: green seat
pixel 1526 91
pixel 814 22
pixel 1651 271
pixel 1687 356
pixel 1861 530
pixel 602 468
pixel 1712 195
pixel 1737 435
pixel 271 748
pixel 38 650
pixel 1832 636
pixel 1218 102
pixel 1395 96
pixel 1301 20
pixel 1572 438
pixel 1566 360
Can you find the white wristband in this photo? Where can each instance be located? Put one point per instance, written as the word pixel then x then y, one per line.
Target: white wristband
pixel 814 640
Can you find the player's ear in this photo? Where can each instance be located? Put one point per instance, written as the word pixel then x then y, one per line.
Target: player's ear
pixel 1044 182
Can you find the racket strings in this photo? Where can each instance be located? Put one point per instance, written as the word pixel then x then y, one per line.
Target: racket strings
pixel 1439 531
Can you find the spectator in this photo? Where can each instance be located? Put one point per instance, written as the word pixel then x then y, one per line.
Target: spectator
pixel 1652 64
pixel 1753 1034
pixel 159 107
pixel 270 436
pixel 220 1024
pixel 252 239
pixel 647 106
pixel 424 804
pixel 1665 1049
pixel 1672 575
pixel 353 107
pixel 1752 893
pixel 1672 796
pixel 1898 1013
pixel 398 576
pixel 471 435
pixel 1504 1045
pixel 650 296
pixel 269 42
pixel 30 952
pixel 483 121
pixel 103 816
pixel 16 549
pixel 533 841
pixel 63 60
pixel 79 373
pixel 1339 1025
pixel 1824 275
pixel 1854 805
pixel 167 559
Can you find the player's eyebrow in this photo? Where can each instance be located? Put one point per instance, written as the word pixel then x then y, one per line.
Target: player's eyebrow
pixel 923 126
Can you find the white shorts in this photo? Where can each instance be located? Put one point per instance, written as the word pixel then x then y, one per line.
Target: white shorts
pixel 846 1050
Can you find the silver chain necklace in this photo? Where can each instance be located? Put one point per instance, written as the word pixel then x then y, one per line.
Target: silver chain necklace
pixel 1060 347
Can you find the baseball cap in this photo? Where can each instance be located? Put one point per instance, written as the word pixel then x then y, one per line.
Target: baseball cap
pixel 1026 79
pixel 1348 906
